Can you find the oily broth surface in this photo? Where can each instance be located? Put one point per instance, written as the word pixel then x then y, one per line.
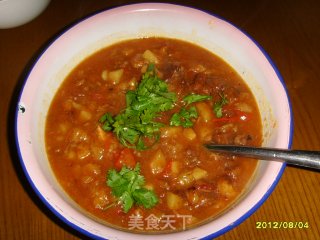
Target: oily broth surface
pixel 80 153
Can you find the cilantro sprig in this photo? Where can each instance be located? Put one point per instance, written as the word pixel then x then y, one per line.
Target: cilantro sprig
pixel 217 108
pixel 127 186
pixel 185 115
pixel 137 122
pixel 192 98
pixel 144 104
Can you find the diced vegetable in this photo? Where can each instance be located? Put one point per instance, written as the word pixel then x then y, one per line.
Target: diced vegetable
pixel 226 189
pixel 189 133
pixel 158 162
pixel 199 173
pixel 104 75
pixel 204 132
pixel 243 107
pixel 115 76
pixel 85 116
pixel 174 201
pixel 187 179
pixel 172 168
pixel 76 105
pixel 175 167
pixel 204 111
pixel 170 132
pixel 192 196
pixel 150 56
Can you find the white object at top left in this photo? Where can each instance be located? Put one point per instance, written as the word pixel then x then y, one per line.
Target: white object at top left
pixel 14 13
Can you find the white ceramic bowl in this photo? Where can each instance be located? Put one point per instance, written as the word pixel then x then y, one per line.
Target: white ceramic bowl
pixel 14 13
pixel 143 20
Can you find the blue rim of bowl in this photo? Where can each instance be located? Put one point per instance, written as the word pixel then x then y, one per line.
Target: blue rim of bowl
pixel 213 235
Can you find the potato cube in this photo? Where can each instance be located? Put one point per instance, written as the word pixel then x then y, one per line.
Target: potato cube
pixel 174 201
pixel 158 162
pixel 115 76
pixel 199 173
pixel 150 56
pixel 189 134
pixel 205 111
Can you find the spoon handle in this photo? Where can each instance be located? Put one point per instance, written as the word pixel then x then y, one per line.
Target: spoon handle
pixel 310 159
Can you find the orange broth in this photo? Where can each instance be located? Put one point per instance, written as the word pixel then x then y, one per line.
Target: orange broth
pixel 81 153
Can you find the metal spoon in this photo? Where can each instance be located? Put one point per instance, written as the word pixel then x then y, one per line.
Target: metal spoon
pixel 309 159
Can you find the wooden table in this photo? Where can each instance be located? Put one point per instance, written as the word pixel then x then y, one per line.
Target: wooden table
pixel 288 30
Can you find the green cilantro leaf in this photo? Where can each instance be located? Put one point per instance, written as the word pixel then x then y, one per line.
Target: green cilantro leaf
pixel 152 97
pixel 106 121
pixel 145 197
pixel 127 186
pixel 127 201
pixel 144 104
pixel 183 117
pixel 195 98
pixel 217 108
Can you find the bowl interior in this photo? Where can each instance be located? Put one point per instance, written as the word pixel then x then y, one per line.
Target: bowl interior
pixel 144 20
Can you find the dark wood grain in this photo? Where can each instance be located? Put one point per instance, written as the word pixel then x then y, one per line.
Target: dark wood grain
pixel 288 30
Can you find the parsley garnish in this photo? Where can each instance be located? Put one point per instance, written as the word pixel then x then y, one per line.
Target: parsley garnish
pixel 195 98
pixel 217 108
pixel 127 186
pixel 143 104
pixel 183 117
